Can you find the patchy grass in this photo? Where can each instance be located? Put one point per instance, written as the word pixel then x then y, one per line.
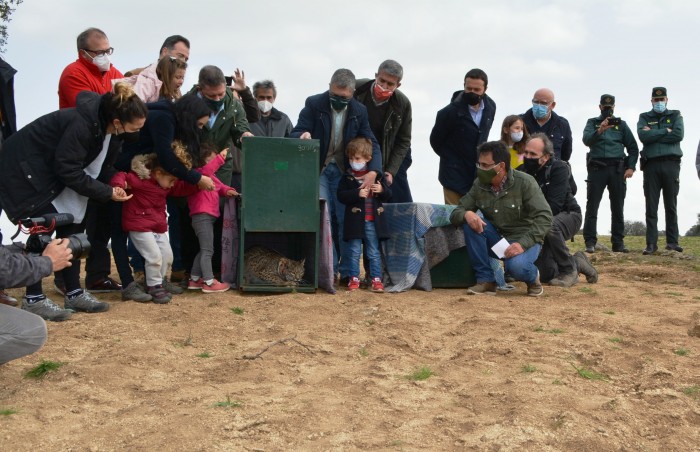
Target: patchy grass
pixel 420 374
pixel 682 352
pixel 363 352
pixel 43 368
pixel 186 342
pixel 203 355
pixel 237 310
pixel 587 290
pixel 590 374
pixel 8 412
pixel 528 369
pixel 557 382
pixel 541 329
pixel 615 340
pixel 228 403
pixel 692 391
pixel 609 312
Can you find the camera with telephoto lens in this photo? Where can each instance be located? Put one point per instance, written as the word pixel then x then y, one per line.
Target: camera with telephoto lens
pixel 41 228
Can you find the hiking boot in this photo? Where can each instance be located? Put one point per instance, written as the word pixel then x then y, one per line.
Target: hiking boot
pixel 159 294
pixel 215 286
pixel 650 249
pixel 483 288
pixel 173 288
pixel 377 285
pixel 590 248
pixel 566 280
pixel 535 289
pixel 47 310
pixel 135 292
pixel 195 285
pixel 85 302
pixel 354 283
pixel 674 247
pixel 5 298
pixel 586 267
pixel 620 249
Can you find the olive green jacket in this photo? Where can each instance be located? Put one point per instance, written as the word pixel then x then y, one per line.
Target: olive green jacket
pixel 519 212
pixel 612 143
pixel 397 126
pixel 658 141
pixel 226 132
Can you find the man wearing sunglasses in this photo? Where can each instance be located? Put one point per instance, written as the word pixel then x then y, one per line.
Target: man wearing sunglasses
pixel 92 71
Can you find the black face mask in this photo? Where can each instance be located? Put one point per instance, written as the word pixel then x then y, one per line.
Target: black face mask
pixel 472 98
pixel 606 112
pixel 129 137
pixel 531 166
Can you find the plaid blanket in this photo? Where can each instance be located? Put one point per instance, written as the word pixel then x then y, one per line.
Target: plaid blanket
pixel 405 252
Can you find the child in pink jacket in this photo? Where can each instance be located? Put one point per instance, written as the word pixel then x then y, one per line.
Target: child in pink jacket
pixel 204 210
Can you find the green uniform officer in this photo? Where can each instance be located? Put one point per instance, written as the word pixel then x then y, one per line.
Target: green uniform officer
pixel 608 167
pixel 661 132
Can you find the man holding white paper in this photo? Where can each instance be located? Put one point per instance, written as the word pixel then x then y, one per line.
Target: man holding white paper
pixel 514 209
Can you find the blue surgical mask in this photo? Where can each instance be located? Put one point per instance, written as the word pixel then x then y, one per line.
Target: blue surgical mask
pixel 358 166
pixel 659 107
pixel 539 111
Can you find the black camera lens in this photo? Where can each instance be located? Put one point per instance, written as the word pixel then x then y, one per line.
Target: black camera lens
pixel 79 245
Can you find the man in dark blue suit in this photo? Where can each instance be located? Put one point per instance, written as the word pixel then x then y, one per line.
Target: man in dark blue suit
pixel 334 118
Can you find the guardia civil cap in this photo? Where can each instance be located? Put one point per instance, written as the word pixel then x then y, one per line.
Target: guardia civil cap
pixel 659 91
pixel 607 100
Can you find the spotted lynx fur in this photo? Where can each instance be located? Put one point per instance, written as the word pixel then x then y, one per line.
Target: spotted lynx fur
pixel 264 266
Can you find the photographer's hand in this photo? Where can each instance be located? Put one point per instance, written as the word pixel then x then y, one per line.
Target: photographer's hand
pixel 59 253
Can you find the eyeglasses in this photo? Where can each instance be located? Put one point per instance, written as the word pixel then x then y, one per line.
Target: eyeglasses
pixel 486 166
pixel 101 52
pixel 540 102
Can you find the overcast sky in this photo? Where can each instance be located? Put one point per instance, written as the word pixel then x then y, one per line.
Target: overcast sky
pixel 578 49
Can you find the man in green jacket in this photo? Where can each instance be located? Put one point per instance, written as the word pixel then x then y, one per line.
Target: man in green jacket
pixel 608 167
pixel 661 132
pixel 390 118
pixel 514 209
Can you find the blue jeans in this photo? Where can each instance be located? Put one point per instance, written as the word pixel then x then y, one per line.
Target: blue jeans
pixel 329 180
pixel 354 252
pixel 521 267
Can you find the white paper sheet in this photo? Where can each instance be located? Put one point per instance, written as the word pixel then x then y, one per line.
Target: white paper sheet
pixel 500 247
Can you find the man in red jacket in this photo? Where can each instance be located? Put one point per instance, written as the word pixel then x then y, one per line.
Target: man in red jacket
pixel 92 71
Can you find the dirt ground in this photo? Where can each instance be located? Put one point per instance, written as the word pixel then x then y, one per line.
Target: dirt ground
pixel 507 370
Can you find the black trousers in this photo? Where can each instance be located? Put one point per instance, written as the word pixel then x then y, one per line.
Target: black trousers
pixel 611 177
pixel 400 190
pixel 555 258
pixel 662 175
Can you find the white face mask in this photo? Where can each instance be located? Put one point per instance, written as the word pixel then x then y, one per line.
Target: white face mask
pixel 264 106
pixel 101 61
pixel 358 166
pixel 516 136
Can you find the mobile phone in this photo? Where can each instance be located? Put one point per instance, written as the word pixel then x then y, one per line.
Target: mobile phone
pixel 229 80
pixel 614 121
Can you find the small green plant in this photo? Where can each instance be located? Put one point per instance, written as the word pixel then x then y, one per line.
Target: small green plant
pixel 587 290
pixel 8 412
pixel 589 374
pixel 557 382
pixel 238 311
pixel 363 352
pixel 674 294
pixel 558 421
pixel 203 355
pixel 609 312
pixel 682 352
pixel 528 369
pixel 43 368
pixel 420 374
pixel 692 391
pixel 615 340
pixel 369 322
pixel 228 403
pixel 186 342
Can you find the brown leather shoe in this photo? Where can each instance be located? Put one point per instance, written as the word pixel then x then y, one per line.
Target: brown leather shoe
pixel 6 299
pixel 104 285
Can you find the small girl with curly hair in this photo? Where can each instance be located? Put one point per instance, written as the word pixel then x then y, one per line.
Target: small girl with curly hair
pixel 144 216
